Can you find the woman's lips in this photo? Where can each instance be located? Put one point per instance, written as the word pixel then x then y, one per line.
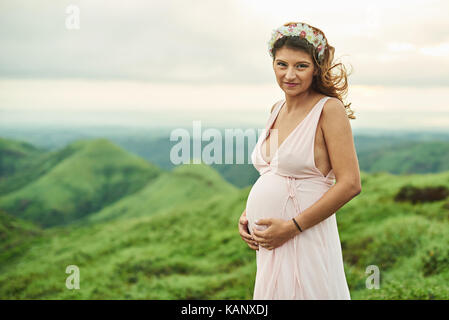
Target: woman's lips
pixel 290 84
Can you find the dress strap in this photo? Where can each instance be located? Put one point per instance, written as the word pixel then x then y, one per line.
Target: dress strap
pixel 317 112
pixel 273 114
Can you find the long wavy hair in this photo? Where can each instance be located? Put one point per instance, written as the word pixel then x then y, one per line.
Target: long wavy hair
pixel 327 82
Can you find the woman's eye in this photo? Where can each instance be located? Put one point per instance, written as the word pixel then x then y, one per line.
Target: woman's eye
pixel 300 65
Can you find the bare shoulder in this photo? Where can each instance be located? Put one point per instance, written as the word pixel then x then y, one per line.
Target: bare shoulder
pixel 334 119
pixel 334 110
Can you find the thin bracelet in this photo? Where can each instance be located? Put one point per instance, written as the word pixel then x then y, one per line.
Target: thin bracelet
pixel 297 224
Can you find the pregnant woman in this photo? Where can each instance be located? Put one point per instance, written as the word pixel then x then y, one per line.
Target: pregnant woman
pixel 306 146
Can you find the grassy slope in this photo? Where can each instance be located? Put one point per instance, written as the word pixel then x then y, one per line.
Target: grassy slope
pixel 96 173
pixel 16 236
pixel 176 237
pixel 187 185
pixel 167 254
pixel 398 238
pixel 195 251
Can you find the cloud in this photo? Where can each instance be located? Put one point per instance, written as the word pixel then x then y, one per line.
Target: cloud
pixel 223 42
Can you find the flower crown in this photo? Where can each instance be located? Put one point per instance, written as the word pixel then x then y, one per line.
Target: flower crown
pixel 302 30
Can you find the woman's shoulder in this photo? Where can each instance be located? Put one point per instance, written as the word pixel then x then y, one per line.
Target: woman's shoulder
pixel 332 103
pixel 333 110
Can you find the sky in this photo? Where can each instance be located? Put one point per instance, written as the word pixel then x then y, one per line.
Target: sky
pixel 167 63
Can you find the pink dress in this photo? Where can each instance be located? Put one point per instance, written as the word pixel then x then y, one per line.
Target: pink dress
pixel 310 265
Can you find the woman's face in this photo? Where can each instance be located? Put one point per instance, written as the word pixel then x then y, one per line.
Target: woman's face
pixel 295 67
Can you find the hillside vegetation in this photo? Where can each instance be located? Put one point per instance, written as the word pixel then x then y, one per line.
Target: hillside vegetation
pixel 173 235
pixel 84 177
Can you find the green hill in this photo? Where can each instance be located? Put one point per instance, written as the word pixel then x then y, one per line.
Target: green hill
pixel 186 186
pixel 21 163
pixel 408 157
pixel 195 252
pixel 175 235
pixel 12 152
pixel 86 176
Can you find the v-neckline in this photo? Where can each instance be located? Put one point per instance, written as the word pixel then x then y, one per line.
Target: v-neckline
pixel 288 136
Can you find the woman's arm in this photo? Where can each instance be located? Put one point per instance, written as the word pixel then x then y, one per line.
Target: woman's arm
pixel 339 141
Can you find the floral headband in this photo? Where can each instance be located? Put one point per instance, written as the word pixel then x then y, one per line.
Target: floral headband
pixel 302 30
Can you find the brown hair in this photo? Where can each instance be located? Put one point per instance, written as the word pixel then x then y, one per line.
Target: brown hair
pixel 325 82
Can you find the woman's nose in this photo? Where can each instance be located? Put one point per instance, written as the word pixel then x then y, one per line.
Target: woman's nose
pixel 290 76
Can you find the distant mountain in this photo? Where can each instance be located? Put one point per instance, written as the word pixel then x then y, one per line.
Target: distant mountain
pixel 407 158
pixel 20 163
pixel 375 150
pixel 394 154
pixel 12 152
pixel 71 183
pixel 157 151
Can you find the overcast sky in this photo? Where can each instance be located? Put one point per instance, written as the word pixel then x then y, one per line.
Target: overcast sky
pixel 170 62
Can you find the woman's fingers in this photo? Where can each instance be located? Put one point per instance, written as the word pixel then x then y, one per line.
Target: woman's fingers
pixel 253 246
pixel 248 238
pixel 262 242
pixel 250 241
pixel 244 232
pixel 256 237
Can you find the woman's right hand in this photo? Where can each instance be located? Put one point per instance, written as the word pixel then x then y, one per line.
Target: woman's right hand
pixel 244 232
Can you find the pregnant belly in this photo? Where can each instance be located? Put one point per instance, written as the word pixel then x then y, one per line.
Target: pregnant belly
pixel 266 199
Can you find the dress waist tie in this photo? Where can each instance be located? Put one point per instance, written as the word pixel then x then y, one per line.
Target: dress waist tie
pixel 292 193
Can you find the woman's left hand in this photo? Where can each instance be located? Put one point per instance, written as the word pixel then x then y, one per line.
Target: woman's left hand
pixel 278 232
